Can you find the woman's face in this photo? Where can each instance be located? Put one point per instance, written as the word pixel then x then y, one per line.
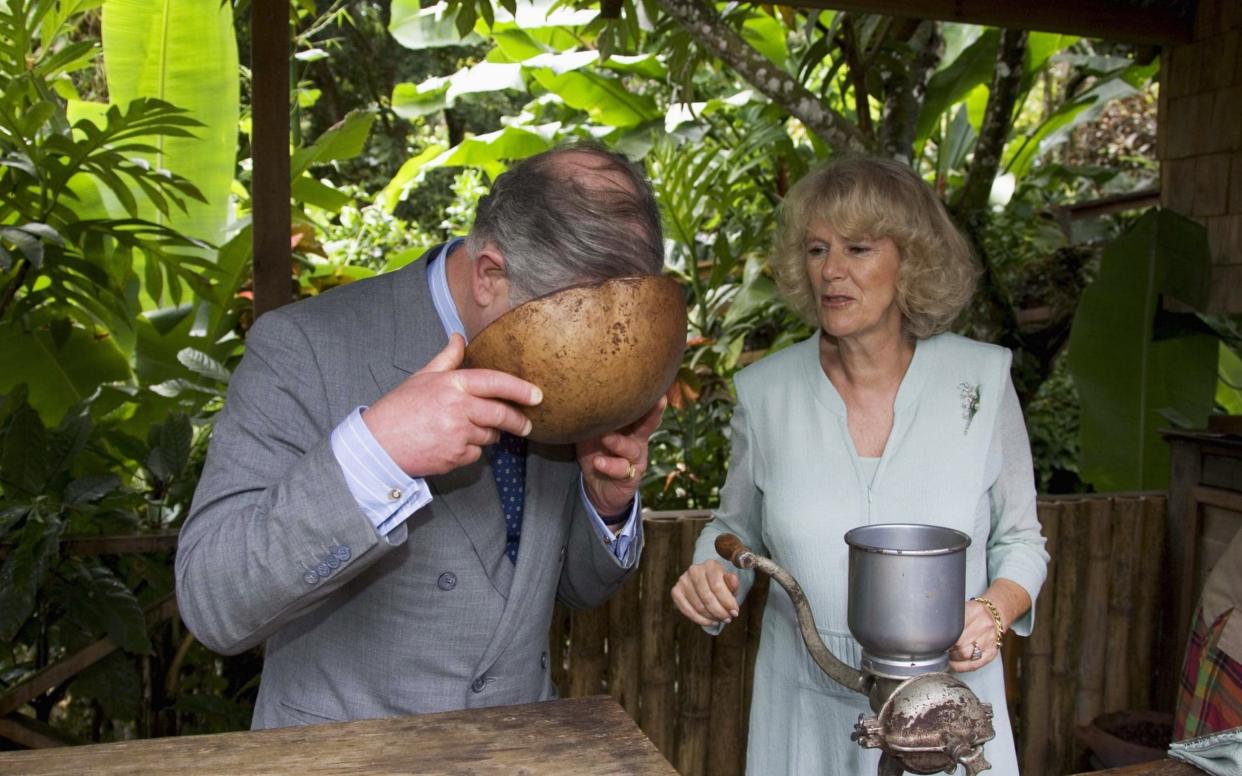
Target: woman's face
pixel 854 282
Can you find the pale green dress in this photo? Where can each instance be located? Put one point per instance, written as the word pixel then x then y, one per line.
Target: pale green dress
pixel 957 456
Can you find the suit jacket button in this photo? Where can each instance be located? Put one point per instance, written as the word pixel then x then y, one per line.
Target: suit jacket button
pixel 543 661
pixel 310 577
pixel 322 569
pixel 332 561
pixel 478 684
pixel 447 581
pixel 562 554
pixel 341 552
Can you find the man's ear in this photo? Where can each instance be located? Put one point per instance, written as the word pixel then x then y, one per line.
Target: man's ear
pixel 489 278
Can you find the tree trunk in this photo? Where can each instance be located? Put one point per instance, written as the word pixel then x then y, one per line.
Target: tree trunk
pixel 702 22
pixel 905 88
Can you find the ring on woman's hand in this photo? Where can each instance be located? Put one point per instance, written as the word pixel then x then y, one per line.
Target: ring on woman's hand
pixel 631 472
pixel 977 652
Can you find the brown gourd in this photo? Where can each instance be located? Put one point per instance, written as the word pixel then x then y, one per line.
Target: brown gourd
pixel 602 353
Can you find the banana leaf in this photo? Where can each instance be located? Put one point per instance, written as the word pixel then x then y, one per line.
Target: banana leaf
pixel 183 52
pixel 1128 378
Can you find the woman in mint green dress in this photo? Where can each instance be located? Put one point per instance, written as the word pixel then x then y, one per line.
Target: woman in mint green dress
pixel 881 416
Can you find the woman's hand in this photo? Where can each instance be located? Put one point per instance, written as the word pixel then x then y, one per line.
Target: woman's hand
pixel 978 638
pixel 705 593
pixel 977 647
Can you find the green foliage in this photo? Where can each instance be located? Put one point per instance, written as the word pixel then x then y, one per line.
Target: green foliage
pixel 1229 386
pixel 102 405
pixel 393 146
pixel 1133 368
pixel 144 45
pixel 67 267
pixel 87 475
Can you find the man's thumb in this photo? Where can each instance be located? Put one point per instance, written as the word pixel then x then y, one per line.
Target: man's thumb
pixel 448 359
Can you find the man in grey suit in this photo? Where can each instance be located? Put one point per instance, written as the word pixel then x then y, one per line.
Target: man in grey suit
pixel 373 512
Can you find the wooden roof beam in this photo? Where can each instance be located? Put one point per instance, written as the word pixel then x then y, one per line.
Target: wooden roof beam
pixel 1161 22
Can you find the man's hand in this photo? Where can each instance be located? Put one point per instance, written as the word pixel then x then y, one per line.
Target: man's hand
pixel 613 464
pixel 440 417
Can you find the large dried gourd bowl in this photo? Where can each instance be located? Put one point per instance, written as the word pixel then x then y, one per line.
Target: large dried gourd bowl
pixel 602 354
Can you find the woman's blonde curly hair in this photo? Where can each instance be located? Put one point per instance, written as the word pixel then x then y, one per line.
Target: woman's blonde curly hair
pixel 869 198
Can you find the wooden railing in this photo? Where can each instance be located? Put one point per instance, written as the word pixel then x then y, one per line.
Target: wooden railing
pixel 1097 645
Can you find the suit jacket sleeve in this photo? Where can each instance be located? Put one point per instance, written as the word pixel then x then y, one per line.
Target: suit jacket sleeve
pixel 592 573
pixel 272 507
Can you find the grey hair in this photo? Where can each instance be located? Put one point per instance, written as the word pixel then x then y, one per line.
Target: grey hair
pixel 556 230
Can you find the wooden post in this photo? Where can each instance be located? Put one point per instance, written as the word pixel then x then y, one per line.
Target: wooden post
pixel 752 612
pixel 728 742
pixel 1090 684
pixel 694 648
pixel 658 703
pixel 588 631
pixel 1153 595
pixel 624 627
pixel 269 190
pixel 1182 532
pixel 1035 716
pixel 1119 660
pixel 1065 636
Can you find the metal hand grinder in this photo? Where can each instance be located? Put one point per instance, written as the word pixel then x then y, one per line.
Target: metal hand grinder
pixel 907 584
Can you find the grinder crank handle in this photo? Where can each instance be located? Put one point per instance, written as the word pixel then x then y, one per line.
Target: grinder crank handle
pixel 733 550
pixel 730 547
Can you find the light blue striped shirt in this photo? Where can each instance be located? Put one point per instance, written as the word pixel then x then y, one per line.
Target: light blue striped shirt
pixel 387 495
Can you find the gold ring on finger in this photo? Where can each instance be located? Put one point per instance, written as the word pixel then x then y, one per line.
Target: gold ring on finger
pixel 631 471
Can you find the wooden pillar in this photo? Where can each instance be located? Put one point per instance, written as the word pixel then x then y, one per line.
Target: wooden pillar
pixel 269 190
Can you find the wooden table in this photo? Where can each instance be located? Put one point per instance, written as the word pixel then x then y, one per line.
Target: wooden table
pixel 580 736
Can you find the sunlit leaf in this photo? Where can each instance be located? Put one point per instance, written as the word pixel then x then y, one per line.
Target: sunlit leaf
pixel 416 27
pixel 184 53
pixel 312 192
pixel 344 140
pixel 973 67
pixel 202 364
pixel 403 181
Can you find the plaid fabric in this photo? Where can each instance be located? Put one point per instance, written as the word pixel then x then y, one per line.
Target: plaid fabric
pixel 1210 698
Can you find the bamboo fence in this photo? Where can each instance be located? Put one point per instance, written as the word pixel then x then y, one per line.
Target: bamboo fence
pixel 1093 649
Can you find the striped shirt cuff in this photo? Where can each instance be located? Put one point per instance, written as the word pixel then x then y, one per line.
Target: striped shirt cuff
pixel 385 494
pixel 622 543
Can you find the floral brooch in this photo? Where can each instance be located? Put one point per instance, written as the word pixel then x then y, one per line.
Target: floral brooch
pixel 970 403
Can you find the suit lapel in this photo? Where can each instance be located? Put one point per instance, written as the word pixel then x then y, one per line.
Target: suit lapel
pixel 543 534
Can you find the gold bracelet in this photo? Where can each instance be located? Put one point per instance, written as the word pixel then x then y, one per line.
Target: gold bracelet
pixel 996 618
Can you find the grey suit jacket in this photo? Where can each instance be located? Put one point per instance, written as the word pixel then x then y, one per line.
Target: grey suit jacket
pixel 438 622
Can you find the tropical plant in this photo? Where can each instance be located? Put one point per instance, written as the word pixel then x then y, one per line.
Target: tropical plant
pixel 684 85
pixel 1137 366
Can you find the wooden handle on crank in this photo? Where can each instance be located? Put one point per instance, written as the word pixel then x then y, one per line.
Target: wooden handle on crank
pixel 729 547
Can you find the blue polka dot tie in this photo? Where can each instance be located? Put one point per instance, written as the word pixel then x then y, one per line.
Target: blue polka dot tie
pixel 508 457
